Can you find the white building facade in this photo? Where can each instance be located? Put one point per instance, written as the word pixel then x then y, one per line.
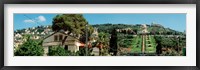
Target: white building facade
pixel 57 39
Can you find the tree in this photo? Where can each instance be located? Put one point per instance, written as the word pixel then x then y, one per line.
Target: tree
pixel 159 46
pixel 103 42
pixel 104 38
pixel 29 48
pixel 113 42
pixel 74 23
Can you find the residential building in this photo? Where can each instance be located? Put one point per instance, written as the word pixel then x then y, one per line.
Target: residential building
pixel 62 39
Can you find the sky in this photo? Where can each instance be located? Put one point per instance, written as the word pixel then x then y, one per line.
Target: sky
pixel 173 21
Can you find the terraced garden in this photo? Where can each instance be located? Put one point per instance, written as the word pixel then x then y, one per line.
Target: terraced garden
pixel 137 44
pixel 150 44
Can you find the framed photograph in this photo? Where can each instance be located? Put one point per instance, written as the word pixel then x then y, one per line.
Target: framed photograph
pixel 102 34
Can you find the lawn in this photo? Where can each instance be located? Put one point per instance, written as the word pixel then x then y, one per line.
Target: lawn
pixel 150 44
pixel 137 44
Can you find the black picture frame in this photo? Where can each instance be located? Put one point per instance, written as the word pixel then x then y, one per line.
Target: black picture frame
pixel 2 2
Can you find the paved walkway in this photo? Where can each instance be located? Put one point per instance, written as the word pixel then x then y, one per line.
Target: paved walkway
pixel 143 44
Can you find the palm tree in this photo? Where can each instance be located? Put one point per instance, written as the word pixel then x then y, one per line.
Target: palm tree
pixel 103 42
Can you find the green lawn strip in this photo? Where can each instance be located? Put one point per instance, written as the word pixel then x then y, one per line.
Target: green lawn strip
pixel 151 49
pixel 135 45
pixel 136 42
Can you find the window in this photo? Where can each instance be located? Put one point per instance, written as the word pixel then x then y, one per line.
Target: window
pixel 66 47
pixel 55 38
pixel 60 37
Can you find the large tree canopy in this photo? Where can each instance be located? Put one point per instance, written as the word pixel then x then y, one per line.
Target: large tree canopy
pixel 74 23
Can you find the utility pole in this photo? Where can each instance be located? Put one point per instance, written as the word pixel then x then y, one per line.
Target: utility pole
pixel 86 40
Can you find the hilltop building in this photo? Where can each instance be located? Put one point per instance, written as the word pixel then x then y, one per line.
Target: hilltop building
pixel 144 29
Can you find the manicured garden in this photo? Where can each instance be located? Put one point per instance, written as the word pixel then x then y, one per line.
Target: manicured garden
pixel 150 44
pixel 137 44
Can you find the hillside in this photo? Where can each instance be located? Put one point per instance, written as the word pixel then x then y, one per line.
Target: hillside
pixel 152 29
